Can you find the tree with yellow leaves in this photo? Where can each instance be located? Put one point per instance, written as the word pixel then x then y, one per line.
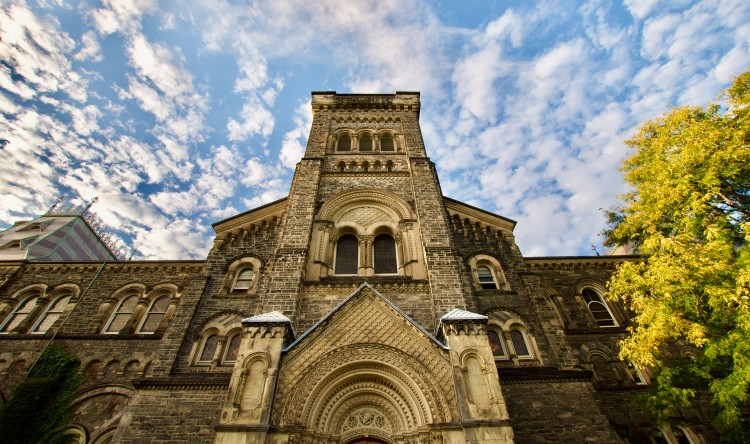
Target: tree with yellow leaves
pixel 688 214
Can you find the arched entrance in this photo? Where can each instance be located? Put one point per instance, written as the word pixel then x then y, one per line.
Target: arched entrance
pixel 366 441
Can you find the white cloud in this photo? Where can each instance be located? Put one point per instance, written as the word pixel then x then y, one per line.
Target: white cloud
pixel 90 49
pixel 293 145
pixel 179 239
pixel 255 119
pixel 121 15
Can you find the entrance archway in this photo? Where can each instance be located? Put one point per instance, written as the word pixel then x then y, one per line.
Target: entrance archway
pixel 366 441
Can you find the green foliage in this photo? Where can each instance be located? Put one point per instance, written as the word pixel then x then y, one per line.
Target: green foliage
pixel 40 404
pixel 687 212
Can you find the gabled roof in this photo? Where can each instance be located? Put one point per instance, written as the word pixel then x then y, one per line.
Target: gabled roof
pixel 458 315
pixel 325 319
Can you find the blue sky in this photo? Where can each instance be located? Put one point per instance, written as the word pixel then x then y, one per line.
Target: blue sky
pixel 177 114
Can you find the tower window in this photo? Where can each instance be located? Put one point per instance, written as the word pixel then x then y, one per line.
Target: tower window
pixel 365 143
pixel 599 310
pixel 385 255
pixel 386 143
pixel 244 279
pixel 347 255
pixel 344 143
pixel 486 278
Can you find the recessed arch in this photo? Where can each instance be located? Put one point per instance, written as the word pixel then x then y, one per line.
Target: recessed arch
pixel 383 199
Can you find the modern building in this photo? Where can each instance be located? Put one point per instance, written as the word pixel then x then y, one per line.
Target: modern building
pixel 365 307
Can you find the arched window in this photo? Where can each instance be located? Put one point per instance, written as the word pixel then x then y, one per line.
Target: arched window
pixel 365 143
pixel 496 344
pixel 122 314
pixel 155 315
pixel 385 255
pixel 347 255
pixel 386 143
pixel 486 278
pixel 344 143
pixel 53 311
pixel 22 310
pixel 232 348
pixel 209 349
pixel 244 279
pixel 598 308
pixel 521 347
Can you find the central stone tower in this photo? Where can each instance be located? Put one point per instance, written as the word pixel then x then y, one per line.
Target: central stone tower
pixel 362 268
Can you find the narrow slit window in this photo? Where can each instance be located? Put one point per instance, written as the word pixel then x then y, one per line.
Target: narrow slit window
pixel 385 255
pixel 347 255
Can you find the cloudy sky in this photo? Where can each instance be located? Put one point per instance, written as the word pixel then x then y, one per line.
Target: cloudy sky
pixel 176 114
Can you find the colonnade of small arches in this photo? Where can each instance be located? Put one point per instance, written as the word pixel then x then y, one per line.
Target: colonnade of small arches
pixel 364 141
pixel 365 166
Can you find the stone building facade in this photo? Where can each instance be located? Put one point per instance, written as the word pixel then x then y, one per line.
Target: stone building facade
pixel 365 307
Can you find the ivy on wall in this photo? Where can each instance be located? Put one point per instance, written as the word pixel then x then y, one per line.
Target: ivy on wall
pixel 40 405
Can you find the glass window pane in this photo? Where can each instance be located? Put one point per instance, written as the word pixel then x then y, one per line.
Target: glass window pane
pixel 486 280
pixel 365 143
pixel 344 143
pixel 155 315
pixel 151 323
pixel 209 348
pixel 233 348
pixel 519 343
pixel 118 322
pixel 601 314
pixel 385 254
pixel 122 315
pixel 19 314
pixel 347 252
pixel 244 279
pixel 495 343
pixel 386 143
pixel 52 314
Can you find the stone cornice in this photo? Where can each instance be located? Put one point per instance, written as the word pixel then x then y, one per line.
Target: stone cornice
pixel 478 215
pixel 185 382
pixel 525 375
pixel 396 283
pixel 126 266
pixel 254 216
pixel 578 262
